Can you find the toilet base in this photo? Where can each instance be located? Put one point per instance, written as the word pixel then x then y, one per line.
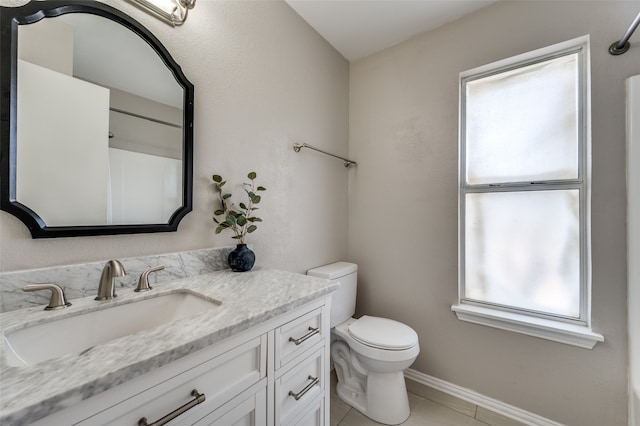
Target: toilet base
pixel 387 398
pixel 385 401
pixel 380 396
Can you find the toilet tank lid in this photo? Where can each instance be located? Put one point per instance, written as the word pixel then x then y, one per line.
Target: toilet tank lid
pixel 333 270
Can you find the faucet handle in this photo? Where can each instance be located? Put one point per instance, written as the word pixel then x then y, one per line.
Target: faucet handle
pixel 58 299
pixel 143 281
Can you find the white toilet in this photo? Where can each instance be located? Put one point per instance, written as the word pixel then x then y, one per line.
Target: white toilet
pixel 370 353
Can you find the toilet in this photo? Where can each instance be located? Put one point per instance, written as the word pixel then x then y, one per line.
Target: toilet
pixel 369 353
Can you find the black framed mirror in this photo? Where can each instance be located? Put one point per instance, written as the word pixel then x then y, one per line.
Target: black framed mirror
pixel 96 132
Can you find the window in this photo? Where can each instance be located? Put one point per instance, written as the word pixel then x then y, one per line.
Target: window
pixel 524 260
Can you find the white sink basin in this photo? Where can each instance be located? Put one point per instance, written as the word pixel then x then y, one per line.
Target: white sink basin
pixel 82 332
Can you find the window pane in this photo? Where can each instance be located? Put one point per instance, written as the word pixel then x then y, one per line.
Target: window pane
pixel 522 125
pixel 522 249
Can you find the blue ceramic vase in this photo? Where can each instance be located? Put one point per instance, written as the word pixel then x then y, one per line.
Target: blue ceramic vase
pixel 241 259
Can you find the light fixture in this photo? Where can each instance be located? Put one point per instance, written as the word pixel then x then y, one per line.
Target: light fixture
pixel 173 12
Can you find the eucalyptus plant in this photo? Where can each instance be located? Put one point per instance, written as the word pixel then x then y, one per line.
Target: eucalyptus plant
pixel 238 218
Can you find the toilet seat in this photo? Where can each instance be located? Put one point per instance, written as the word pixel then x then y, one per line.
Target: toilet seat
pixel 341 331
pixel 383 333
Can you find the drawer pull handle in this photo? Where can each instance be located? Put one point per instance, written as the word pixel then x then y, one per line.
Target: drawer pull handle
pixel 312 332
pixel 199 398
pixel 297 396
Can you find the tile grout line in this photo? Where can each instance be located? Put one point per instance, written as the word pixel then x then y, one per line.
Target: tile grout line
pixel 475 410
pixel 474 417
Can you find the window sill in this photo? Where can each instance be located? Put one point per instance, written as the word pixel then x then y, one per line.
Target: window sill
pixel 570 334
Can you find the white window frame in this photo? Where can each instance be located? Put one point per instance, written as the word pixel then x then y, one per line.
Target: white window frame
pixel 572 331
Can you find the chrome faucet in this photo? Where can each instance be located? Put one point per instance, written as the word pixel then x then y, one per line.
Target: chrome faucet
pixel 106 289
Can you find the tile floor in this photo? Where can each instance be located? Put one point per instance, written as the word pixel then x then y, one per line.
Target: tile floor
pixel 429 407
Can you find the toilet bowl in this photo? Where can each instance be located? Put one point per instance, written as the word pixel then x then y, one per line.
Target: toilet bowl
pixel 369 361
pixel 369 353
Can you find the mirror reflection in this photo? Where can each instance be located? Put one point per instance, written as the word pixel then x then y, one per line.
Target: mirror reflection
pixel 99 125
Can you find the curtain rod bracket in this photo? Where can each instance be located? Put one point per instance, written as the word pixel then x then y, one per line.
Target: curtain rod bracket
pixel 347 163
pixel 621 46
pixel 616 50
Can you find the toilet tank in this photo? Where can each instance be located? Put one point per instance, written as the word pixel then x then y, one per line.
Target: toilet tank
pixel 343 302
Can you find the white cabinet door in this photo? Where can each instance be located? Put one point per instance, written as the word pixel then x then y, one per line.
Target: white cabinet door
pixel 247 409
pixel 302 385
pixel 313 415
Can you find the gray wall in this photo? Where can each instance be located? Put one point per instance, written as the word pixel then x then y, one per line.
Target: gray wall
pixel 403 207
pixel 263 80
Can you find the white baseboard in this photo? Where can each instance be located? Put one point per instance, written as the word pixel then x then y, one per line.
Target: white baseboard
pixel 468 395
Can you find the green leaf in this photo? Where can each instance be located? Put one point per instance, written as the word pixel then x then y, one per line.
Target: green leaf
pixel 235 216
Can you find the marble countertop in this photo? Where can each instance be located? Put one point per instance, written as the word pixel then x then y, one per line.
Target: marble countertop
pixel 32 392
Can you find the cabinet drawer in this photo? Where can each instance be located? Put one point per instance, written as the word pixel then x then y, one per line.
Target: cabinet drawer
pixel 298 335
pixel 313 415
pixel 219 379
pixel 299 387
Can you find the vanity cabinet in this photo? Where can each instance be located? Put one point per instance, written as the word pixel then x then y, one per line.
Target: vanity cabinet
pixel 275 373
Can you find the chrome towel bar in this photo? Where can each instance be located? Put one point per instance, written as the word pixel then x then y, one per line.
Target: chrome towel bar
pixel 297 147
